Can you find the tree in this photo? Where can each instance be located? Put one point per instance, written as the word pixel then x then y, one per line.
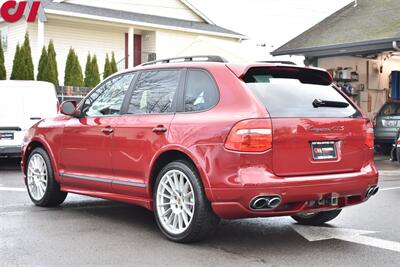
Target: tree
pixel 92 75
pixel 42 65
pixel 88 71
pixel 96 73
pixel 16 64
pixel 73 70
pixel 113 63
pixel 22 64
pixel 3 73
pixel 27 68
pixel 107 68
pixel 51 71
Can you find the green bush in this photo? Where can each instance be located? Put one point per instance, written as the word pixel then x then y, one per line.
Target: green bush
pixel 42 65
pixel 107 68
pixel 22 65
pixel 51 71
pixel 16 64
pixel 114 67
pixel 73 70
pixel 3 73
pixel 92 75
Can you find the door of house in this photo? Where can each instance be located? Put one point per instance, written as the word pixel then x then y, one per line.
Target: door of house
pixel 137 50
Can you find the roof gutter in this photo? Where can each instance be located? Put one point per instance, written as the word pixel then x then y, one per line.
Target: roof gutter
pixel 139 23
pixel 364 47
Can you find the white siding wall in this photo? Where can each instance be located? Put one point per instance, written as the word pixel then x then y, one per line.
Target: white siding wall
pixel 16 33
pixel 174 43
pixel 170 8
pixel 148 44
pixel 84 38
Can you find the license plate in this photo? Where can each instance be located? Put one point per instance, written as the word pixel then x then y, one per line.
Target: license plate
pixel 324 150
pixel 391 123
pixel 6 136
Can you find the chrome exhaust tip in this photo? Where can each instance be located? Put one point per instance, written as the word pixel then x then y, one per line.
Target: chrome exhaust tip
pixel 373 190
pixel 265 202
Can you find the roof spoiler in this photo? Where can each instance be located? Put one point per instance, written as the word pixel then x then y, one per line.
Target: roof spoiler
pixel 303 74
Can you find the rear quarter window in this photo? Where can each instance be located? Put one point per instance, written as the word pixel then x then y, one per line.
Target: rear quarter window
pixel 201 92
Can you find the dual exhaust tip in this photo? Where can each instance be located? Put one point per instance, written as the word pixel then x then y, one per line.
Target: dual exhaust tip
pixel 265 202
pixel 372 191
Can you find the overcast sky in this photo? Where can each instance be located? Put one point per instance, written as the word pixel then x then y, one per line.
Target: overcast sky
pixel 273 22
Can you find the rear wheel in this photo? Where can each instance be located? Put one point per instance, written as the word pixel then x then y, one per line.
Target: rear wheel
pixel 182 210
pixel 43 189
pixel 316 218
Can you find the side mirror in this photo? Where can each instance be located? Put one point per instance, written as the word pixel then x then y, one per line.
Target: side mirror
pixel 69 108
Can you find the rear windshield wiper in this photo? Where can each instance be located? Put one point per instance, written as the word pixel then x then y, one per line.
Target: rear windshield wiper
pixel 333 104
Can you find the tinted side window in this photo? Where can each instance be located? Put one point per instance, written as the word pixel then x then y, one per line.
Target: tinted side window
pixel 108 98
pixel 201 92
pixel 154 92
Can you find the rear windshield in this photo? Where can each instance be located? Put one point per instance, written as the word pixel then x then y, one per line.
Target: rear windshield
pixel 390 109
pixel 287 98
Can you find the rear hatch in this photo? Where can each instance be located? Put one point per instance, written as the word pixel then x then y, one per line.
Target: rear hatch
pixel 389 117
pixel 316 130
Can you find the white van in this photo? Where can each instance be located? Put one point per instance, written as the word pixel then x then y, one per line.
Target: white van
pixel 22 104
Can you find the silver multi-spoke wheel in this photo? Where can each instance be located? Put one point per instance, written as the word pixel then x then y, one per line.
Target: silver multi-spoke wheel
pixel 37 175
pixel 175 202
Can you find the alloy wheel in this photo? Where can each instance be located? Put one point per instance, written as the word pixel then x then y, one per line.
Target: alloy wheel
pixel 175 202
pixel 37 176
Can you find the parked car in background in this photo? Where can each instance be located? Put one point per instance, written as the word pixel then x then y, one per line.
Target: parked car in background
pixel 387 124
pixel 22 104
pixel 395 154
pixel 199 141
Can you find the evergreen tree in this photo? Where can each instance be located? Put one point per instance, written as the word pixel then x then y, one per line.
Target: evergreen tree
pixel 113 63
pixel 51 71
pixel 107 68
pixel 27 68
pixel 3 73
pixel 88 71
pixel 96 73
pixel 42 65
pixel 16 64
pixel 73 71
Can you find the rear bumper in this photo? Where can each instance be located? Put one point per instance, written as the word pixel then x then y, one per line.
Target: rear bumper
pixel 10 151
pixel 297 193
pixel 385 136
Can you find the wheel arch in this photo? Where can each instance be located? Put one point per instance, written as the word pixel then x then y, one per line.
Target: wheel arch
pixel 35 143
pixel 173 154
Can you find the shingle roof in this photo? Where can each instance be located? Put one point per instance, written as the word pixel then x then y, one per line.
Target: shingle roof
pixel 369 21
pixel 137 17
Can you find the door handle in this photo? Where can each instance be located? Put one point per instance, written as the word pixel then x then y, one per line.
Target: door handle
pixel 159 129
pixel 107 130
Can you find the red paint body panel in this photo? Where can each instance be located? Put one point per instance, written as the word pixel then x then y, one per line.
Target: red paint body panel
pixel 231 179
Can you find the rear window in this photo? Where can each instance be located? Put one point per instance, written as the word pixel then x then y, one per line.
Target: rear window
pixel 390 109
pixel 286 98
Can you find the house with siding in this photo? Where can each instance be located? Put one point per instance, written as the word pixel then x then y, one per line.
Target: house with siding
pixel 137 31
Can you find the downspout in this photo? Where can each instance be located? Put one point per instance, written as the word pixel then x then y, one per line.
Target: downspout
pixel 395 46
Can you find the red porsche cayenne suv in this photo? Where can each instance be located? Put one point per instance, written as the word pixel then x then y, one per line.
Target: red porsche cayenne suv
pixel 198 139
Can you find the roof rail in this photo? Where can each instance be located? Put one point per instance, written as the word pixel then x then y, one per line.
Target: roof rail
pixel 187 59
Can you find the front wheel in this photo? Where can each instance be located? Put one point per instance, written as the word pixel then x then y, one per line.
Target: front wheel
pixel 43 189
pixel 182 210
pixel 316 218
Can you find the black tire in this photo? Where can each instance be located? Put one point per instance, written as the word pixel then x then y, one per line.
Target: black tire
pixel 386 149
pixel 204 222
pixel 53 196
pixel 317 218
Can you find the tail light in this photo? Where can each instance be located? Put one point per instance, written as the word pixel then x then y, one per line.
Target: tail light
pixel 369 137
pixel 253 135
